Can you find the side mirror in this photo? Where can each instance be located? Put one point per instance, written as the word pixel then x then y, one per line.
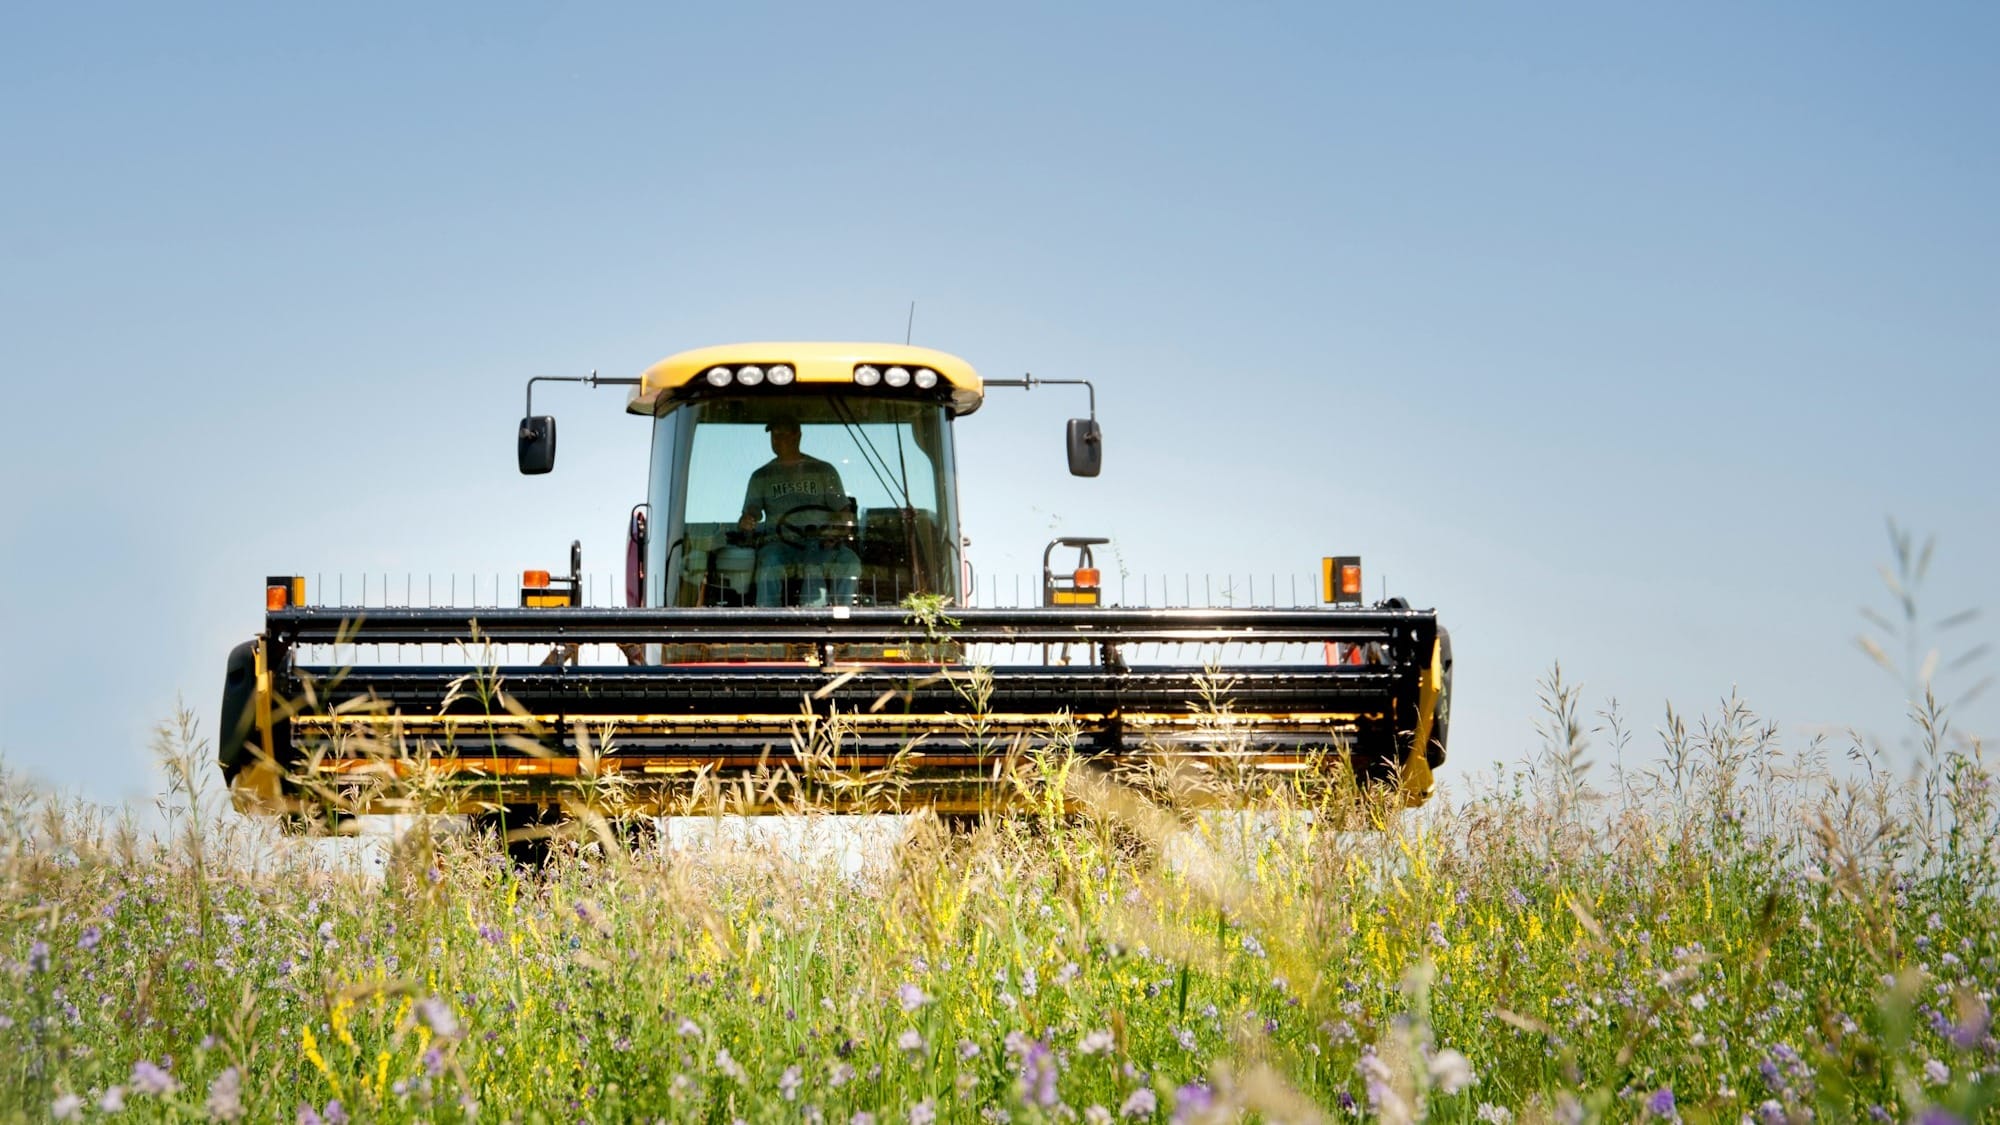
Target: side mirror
pixel 1086 447
pixel 537 451
pixel 635 558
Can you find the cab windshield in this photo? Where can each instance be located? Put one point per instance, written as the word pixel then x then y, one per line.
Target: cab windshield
pixel 806 500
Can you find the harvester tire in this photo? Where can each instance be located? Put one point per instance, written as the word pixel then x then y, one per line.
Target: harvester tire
pixel 526 832
pixel 1441 718
pixel 239 688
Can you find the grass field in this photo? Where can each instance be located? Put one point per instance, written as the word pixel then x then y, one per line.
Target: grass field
pixel 1749 929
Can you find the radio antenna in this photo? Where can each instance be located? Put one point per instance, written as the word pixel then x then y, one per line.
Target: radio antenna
pixel 911 326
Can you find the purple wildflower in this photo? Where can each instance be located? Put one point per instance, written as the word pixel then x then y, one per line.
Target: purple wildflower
pixel 789 1083
pixel 68 1107
pixel 1095 1043
pixel 1970 1030
pixel 1936 1073
pixel 1038 1075
pixel 150 1079
pixel 923 1113
pixel 1192 1100
pixel 1938 1115
pixel 88 939
pixel 1661 1104
pixel 225 1096
pixel 113 1100
pixel 437 1015
pixel 38 957
pixel 1451 1071
pixel 968 1050
pixel 911 997
pixel 336 1114
pixel 1141 1103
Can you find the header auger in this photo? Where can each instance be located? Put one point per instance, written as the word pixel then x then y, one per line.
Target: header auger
pixel 797 628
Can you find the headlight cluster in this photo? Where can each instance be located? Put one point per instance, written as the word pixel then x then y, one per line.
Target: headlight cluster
pixel 868 375
pixel 749 375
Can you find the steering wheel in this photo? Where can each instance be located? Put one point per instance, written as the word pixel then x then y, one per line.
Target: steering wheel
pixel 794 531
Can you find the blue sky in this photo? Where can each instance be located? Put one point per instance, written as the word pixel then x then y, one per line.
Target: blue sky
pixel 1613 333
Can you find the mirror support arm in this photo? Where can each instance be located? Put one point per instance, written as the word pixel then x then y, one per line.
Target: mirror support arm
pixel 590 380
pixel 1029 382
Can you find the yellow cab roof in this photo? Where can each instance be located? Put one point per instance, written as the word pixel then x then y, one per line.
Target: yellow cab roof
pixel 811 363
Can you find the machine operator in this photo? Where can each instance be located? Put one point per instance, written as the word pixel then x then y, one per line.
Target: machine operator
pixel 809 516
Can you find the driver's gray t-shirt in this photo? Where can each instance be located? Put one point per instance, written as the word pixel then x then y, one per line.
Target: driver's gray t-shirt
pixel 776 488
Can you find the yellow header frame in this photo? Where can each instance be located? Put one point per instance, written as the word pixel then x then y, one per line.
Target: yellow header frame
pixel 830 364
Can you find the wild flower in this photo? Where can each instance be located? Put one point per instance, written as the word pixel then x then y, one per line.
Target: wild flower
pixel 1450 1072
pixel 725 1063
pixel 1096 1115
pixel 1936 1073
pixel 789 1083
pixel 861 1117
pixel 1094 1043
pixel 113 1100
pixel 437 1016
pixel 1139 1103
pixel 38 957
pixel 911 997
pixel 66 1107
pixel 923 1113
pixel 910 1041
pixel 148 1078
pixel 1193 1101
pixel 1492 1114
pixel 225 1096
pixel 1038 1075
pixel 1661 1104
pixel 967 1050
pixel 88 939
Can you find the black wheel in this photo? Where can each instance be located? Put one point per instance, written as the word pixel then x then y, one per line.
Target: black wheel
pixel 1441 713
pixel 526 831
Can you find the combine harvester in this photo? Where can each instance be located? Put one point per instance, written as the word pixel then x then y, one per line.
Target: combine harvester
pixel 797 628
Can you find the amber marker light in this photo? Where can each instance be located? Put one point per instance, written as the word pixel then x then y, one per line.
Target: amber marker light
pixel 276 597
pixel 1087 578
pixel 535 579
pixel 1340 576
